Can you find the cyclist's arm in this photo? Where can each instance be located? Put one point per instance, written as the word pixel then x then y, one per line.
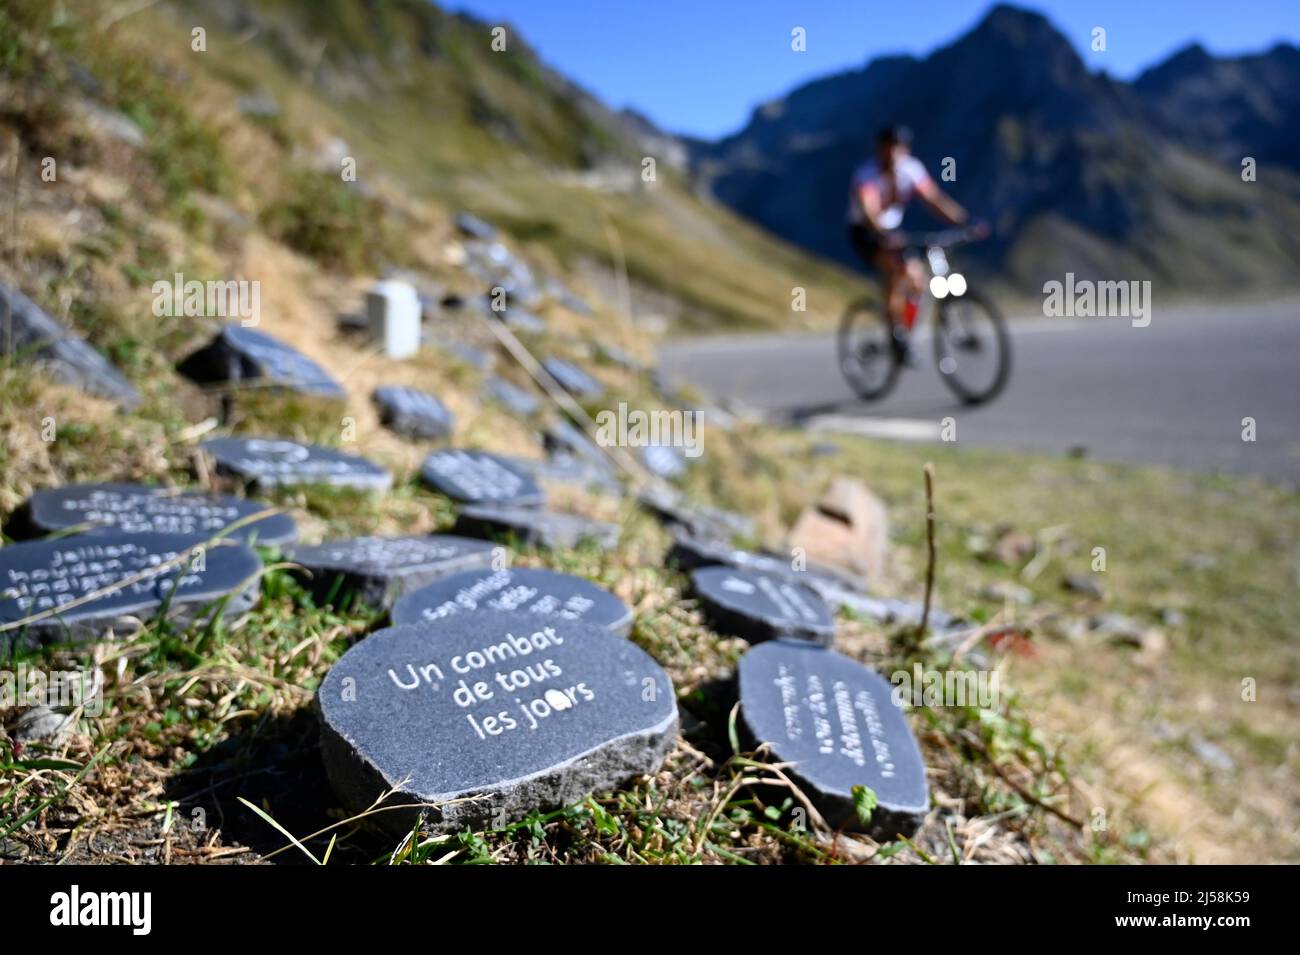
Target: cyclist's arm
pixel 869 200
pixel 940 203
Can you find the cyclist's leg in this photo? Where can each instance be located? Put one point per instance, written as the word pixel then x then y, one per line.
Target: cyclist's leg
pixel 914 274
pixel 889 262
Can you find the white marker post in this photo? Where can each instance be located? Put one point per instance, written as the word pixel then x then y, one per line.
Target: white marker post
pixel 393 313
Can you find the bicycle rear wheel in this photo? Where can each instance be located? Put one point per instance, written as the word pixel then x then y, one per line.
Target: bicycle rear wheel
pixel 971 347
pixel 869 358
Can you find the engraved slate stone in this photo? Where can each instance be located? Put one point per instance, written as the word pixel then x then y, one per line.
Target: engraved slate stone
pixel 42 576
pixel 483 718
pixel 241 354
pixel 474 477
pixel 414 413
pixel 836 722
pixel 573 379
pixel 689 552
pixel 569 448
pixel 511 397
pixel 27 329
pixel 535 527
pixel 266 463
pixel 761 607
pixel 380 569
pixel 138 509
pixel 528 590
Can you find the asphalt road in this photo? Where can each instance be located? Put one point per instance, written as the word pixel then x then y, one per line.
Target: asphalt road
pixel 1173 393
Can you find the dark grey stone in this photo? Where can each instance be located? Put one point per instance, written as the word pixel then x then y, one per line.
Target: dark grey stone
pixel 512 398
pixel 27 330
pixel 689 552
pixel 528 590
pixel 761 607
pixel 562 437
pixel 138 509
pixel 838 589
pixel 474 227
pixel 836 723
pixel 266 463
pixel 697 520
pixel 414 413
pixel 534 527
pixel 41 576
pixel 240 354
pixel 483 718
pixel 573 379
pixel 497 267
pixel 380 569
pixel 476 477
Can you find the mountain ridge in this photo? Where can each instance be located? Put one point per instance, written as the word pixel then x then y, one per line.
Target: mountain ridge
pixel 1076 170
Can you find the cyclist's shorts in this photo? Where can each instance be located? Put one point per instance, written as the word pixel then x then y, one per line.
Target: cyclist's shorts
pixel 866 243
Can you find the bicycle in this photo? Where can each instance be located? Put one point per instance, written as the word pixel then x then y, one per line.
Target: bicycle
pixel 968 327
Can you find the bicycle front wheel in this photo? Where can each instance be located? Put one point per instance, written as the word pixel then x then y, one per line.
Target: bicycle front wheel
pixel 868 354
pixel 971 347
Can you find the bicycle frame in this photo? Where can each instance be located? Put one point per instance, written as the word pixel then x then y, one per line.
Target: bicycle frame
pixel 953 283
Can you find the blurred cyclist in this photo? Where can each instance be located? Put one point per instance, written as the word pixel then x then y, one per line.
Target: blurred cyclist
pixel 879 193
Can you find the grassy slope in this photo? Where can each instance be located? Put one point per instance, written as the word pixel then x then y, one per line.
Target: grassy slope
pixel 195 720
pixel 420 119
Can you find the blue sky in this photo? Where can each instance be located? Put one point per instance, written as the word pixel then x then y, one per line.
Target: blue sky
pixel 700 66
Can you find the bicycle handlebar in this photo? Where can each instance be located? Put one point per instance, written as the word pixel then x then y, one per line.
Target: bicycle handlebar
pixel 945 239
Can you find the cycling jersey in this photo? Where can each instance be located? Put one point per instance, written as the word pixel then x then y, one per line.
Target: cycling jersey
pixel 895 191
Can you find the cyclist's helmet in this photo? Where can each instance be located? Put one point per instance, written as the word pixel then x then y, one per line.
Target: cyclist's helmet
pixel 894 136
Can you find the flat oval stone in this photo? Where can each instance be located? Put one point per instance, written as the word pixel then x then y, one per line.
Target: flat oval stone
pixel 534 527
pixel 31 332
pixel 41 576
pixel 139 509
pixel 238 354
pixel 527 590
pixel 760 606
pixel 690 551
pixel 476 477
pixel 380 569
pixel 480 719
pixel 573 379
pixel 836 722
pixel 267 463
pixel 414 413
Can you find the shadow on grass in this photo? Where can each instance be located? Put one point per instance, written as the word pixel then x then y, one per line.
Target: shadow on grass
pixel 274 762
